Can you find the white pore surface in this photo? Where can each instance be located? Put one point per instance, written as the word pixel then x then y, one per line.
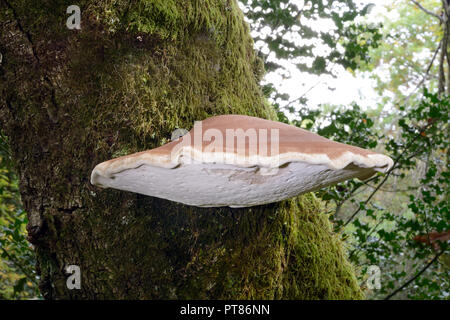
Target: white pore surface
pixel 218 185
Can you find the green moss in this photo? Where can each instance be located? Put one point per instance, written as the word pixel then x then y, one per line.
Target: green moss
pixel 317 257
pixel 164 79
pixel 155 17
pixel 292 255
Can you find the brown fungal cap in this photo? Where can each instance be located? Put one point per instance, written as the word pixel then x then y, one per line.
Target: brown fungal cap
pixel 239 161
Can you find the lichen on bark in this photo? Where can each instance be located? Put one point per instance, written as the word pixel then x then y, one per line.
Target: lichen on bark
pixel 133 73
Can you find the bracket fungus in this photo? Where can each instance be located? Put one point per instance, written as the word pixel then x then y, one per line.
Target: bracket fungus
pixel 239 161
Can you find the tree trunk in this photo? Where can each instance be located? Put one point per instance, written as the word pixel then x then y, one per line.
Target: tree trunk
pixel 445 50
pixel 134 72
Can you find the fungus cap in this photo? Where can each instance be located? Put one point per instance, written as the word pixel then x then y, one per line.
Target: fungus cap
pixel 239 161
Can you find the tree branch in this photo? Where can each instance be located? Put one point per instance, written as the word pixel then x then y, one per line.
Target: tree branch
pixel 441 84
pixel 407 283
pixel 426 72
pixel 388 173
pixel 426 10
pixel 18 265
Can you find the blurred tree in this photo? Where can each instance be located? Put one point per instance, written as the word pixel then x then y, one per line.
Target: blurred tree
pixel 413 51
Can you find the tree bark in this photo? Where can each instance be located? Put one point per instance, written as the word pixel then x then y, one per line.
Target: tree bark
pixel 442 82
pixel 134 72
pixel 446 26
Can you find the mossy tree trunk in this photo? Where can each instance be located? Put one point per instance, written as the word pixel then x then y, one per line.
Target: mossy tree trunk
pixel 134 72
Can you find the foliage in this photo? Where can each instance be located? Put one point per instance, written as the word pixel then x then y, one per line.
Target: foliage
pixel 408 46
pixel 286 35
pixel 291 35
pixel 17 274
pixel 381 232
pixel 383 217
